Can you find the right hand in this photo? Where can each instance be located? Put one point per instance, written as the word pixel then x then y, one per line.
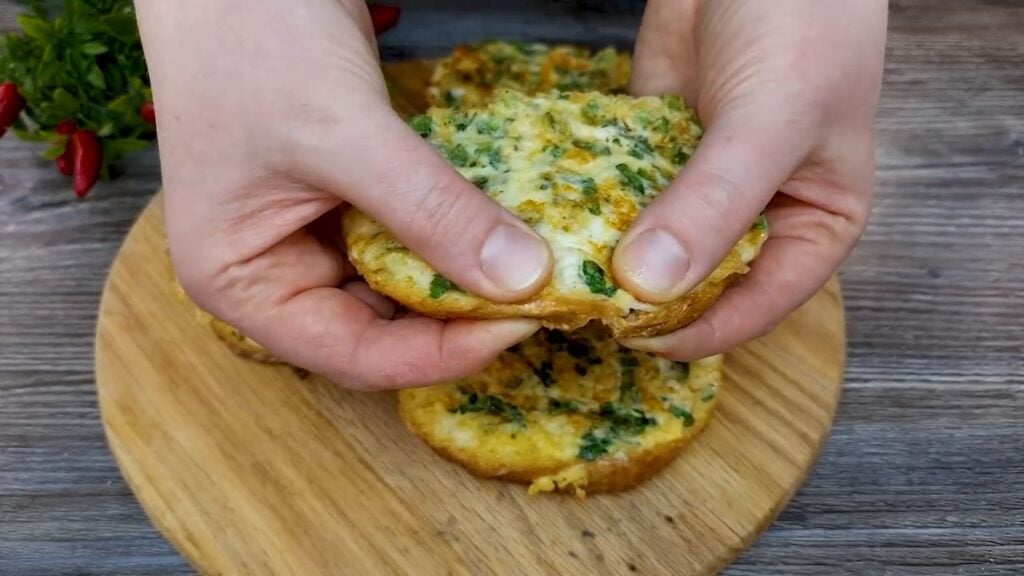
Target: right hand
pixel 273 115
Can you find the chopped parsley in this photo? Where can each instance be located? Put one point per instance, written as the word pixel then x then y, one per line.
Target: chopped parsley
pixel 761 223
pixel 423 125
pixel 589 189
pixel 594 277
pixel 492 405
pixel 461 121
pixel 616 425
pixel 641 148
pixel 480 182
pixel 673 102
pixel 595 148
pixel 708 394
pixel 680 156
pixel 593 446
pixel 491 127
pixel 631 179
pixel 683 414
pixel 439 286
pixel 457 155
pixel 591 111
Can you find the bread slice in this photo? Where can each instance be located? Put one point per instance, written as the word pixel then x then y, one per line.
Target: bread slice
pixel 578 168
pixel 470 75
pixel 574 413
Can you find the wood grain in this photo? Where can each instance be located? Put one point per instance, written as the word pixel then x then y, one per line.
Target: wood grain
pixel 248 469
pixel 923 474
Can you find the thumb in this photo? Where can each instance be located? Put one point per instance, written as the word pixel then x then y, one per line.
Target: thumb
pixel 685 233
pixel 397 178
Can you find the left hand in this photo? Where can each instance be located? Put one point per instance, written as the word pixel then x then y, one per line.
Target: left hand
pixel 787 92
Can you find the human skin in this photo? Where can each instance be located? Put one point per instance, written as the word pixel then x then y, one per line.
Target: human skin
pixel 787 91
pixel 274 116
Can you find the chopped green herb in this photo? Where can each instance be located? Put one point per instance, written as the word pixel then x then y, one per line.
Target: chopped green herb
pixel 591 110
pixel 450 99
pixel 439 286
pixel 680 156
pixel 683 414
pixel 480 182
pixel 594 277
pixel 625 423
pixel 556 151
pixel 552 123
pixel 673 102
pixel 491 127
pixel 462 121
pixel 663 125
pixel 641 148
pixel 457 155
pixel 761 223
pixel 492 405
pixel 708 394
pixel 595 148
pixel 589 189
pixel 423 125
pixel 631 179
pixel 593 446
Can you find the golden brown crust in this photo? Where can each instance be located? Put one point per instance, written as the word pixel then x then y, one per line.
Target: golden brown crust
pixel 381 268
pixel 602 476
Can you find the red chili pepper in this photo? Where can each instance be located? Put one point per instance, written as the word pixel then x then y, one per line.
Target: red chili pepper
pixel 383 17
pixel 11 105
pixel 87 154
pixel 64 161
pixel 148 113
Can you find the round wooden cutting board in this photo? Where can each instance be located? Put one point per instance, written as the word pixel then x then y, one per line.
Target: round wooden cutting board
pixel 250 469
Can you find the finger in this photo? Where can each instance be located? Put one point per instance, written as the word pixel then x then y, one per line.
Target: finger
pixel 389 172
pixel 691 226
pixel 334 333
pixel 665 55
pixel 804 250
pixel 383 306
pixel 287 300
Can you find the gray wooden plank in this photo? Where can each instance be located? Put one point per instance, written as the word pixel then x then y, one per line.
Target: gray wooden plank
pixel 924 471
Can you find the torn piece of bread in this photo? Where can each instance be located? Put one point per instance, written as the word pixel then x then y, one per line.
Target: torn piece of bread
pixel 470 75
pixel 567 412
pixel 578 168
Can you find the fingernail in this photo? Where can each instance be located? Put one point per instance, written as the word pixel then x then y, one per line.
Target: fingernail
pixel 513 259
pixel 657 262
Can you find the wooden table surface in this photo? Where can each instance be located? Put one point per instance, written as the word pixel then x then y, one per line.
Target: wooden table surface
pixel 924 471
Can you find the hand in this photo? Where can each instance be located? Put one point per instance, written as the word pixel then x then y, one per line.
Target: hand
pixel 273 117
pixel 787 93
